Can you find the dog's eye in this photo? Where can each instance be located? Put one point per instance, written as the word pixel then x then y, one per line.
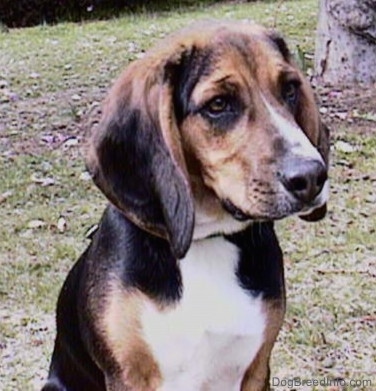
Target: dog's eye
pixel 222 111
pixel 217 106
pixel 290 92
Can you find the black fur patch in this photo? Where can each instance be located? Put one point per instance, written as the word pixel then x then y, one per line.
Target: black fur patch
pixel 71 363
pixel 260 268
pixel 184 76
pixel 280 44
pixel 141 260
pixel 126 164
pixel 139 176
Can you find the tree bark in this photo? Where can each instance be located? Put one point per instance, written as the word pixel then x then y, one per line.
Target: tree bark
pixel 346 42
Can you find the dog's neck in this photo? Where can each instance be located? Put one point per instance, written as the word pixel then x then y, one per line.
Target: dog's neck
pixel 210 217
pixel 217 223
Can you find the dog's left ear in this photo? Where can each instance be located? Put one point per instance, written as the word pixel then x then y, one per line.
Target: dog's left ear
pixel 135 155
pixel 308 118
pixel 323 147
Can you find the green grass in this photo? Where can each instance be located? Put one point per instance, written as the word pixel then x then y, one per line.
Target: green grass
pixel 49 77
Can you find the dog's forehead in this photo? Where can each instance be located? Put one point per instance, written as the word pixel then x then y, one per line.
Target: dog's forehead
pixel 205 33
pixel 221 36
pixel 238 54
pixel 250 48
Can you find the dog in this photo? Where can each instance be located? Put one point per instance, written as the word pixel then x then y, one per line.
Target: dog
pixel 202 144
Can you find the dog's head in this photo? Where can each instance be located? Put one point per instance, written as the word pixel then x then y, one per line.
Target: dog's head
pixel 216 124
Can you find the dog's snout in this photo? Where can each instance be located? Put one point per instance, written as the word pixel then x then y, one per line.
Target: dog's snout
pixel 304 178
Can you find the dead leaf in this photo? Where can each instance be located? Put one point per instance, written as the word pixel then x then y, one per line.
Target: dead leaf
pixel 341 115
pixel 70 142
pixel 34 224
pixel 323 110
pixel 62 224
pixel 85 176
pixel 44 182
pixel 344 146
pixel 5 196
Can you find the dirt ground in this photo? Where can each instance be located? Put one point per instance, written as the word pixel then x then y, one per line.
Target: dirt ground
pixel 354 107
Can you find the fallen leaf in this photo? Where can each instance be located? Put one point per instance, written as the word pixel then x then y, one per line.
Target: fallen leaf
pixel 62 224
pixel 341 115
pixel 44 182
pixel 33 224
pixel 323 110
pixel 71 142
pixel 5 196
pixel 344 146
pixel 85 176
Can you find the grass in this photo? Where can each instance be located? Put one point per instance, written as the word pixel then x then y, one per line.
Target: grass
pixel 49 77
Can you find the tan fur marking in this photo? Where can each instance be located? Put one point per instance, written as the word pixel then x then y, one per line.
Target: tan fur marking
pixel 256 377
pixel 170 131
pixel 122 332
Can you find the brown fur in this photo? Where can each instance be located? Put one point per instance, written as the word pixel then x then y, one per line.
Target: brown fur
pixel 122 332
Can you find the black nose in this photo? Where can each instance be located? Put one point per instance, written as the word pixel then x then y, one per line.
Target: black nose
pixel 304 178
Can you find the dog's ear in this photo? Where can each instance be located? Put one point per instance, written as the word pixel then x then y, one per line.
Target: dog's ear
pixel 308 118
pixel 135 155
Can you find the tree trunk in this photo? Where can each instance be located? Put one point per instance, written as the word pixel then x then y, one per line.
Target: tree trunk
pixel 346 42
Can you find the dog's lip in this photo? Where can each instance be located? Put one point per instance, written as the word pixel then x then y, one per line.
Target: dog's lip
pixel 295 208
pixel 239 215
pixel 234 211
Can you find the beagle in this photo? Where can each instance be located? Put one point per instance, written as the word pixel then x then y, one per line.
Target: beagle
pixel 202 144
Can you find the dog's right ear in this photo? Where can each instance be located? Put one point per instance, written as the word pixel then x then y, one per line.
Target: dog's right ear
pixel 135 156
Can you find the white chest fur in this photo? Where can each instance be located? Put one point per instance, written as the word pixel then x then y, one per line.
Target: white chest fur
pixel 209 339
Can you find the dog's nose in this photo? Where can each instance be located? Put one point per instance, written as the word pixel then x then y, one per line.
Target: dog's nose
pixel 304 178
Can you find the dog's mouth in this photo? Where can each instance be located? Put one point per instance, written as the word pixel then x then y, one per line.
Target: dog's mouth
pixel 234 211
pixel 241 216
pixel 288 210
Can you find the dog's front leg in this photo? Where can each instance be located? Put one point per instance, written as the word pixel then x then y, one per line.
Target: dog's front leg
pixel 115 383
pixel 257 376
pixel 138 375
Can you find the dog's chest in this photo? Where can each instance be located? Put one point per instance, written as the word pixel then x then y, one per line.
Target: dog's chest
pixel 207 341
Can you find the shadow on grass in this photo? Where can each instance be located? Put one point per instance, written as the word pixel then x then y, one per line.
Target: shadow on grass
pixel 26 13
